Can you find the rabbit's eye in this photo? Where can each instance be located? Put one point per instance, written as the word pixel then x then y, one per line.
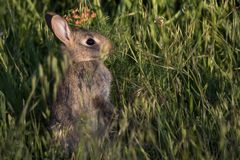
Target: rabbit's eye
pixel 90 41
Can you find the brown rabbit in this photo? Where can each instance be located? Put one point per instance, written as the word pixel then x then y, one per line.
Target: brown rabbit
pixel 83 96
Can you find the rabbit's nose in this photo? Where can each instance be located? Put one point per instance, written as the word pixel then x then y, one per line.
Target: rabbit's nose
pixel 110 47
pixel 107 47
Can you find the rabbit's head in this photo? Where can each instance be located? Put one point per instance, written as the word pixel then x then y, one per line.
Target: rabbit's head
pixel 81 45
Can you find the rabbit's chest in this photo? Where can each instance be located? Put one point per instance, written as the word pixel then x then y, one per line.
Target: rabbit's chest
pixel 84 85
pixel 94 80
pixel 87 81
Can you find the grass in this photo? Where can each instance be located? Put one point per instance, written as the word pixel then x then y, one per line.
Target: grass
pixel 176 85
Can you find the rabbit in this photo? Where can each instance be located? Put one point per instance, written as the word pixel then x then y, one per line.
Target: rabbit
pixel 82 101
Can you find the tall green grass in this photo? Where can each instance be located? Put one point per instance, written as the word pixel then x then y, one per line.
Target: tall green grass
pixel 176 85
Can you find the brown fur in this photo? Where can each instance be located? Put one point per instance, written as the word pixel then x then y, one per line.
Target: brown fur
pixel 83 96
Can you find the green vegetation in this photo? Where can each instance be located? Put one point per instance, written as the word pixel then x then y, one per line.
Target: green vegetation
pixel 176 69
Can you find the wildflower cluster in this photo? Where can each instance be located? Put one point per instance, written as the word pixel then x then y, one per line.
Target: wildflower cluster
pixel 76 18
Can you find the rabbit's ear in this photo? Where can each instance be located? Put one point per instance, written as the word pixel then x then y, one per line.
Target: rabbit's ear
pixel 59 27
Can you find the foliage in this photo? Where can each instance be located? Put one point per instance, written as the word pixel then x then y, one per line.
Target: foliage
pixel 176 69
